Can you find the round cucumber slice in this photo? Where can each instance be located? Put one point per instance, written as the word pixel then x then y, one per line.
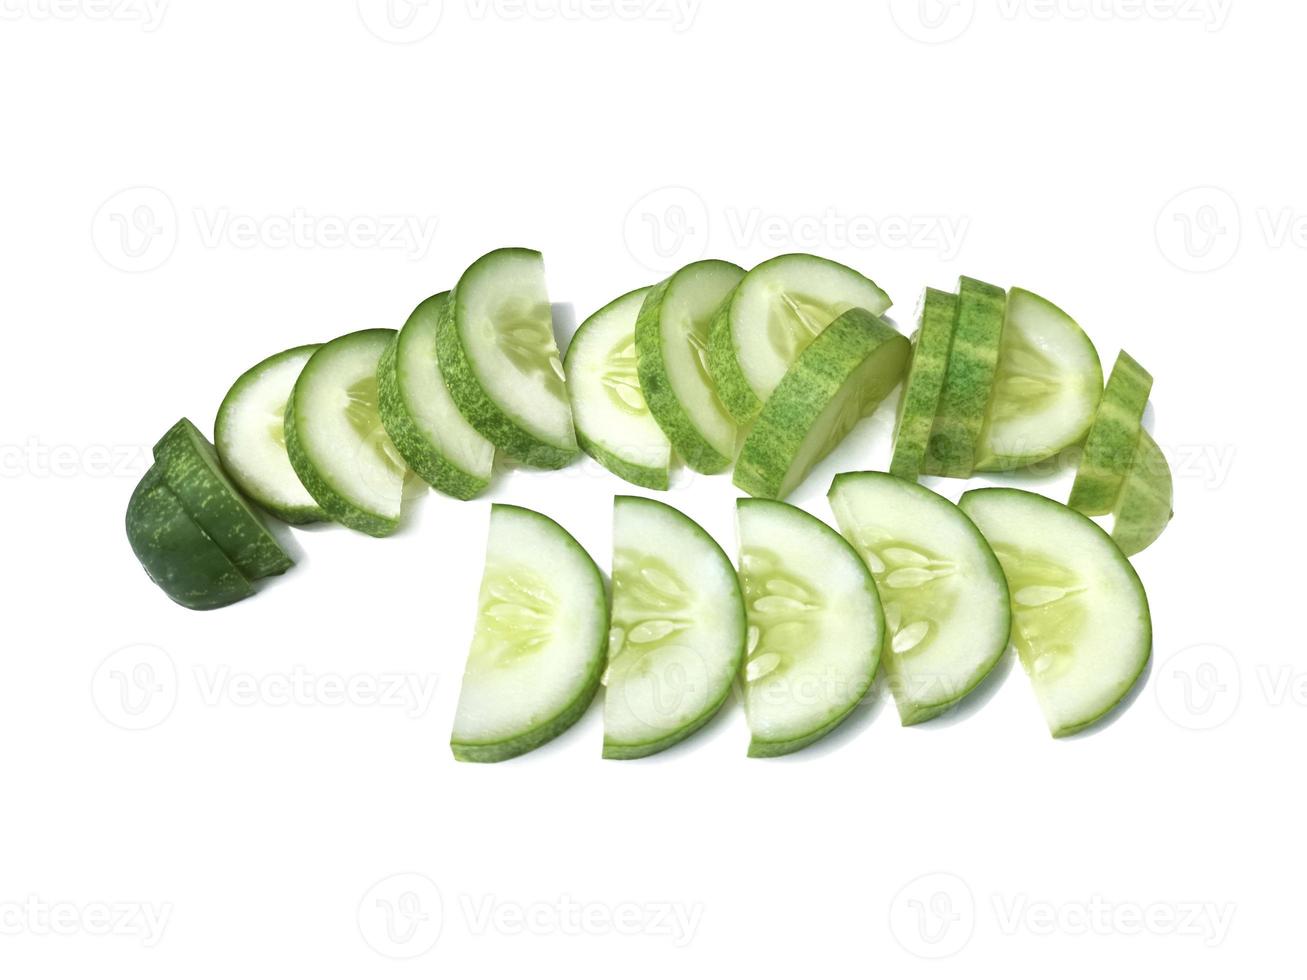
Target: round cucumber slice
pixel 671 339
pixel 1113 436
pixel 500 359
pixel 1080 619
pixel 419 416
pixel 1046 386
pixel 188 464
pixel 920 398
pixel 678 629
pixel 1144 507
pixel 335 438
pixel 847 370
pixel 968 379
pixel 613 422
pixel 250 437
pixel 538 648
pixel 815 626
pixel 943 591
pixel 771 316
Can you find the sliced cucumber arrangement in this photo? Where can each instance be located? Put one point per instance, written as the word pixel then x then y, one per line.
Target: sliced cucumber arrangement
pixel 1080 618
pixel 678 629
pixel 538 647
pixel 335 438
pixel 613 421
pixel 815 626
pixel 671 338
pixel 250 437
pixel 772 316
pixel 1143 508
pixel 500 359
pixel 841 375
pixel 420 417
pixel 1113 438
pixel 944 595
pixel 921 391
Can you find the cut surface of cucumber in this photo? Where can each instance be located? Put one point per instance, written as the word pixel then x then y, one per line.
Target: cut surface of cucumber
pixel 1080 620
pixel 839 377
pixel 613 421
pixel 500 359
pixel 538 647
pixel 771 316
pixel 420 417
pixel 671 338
pixel 677 637
pixel 947 617
pixel 335 438
pixel 925 381
pixel 1110 445
pixel 1143 508
pixel 190 466
pixel 250 437
pixel 1046 386
pixel 815 626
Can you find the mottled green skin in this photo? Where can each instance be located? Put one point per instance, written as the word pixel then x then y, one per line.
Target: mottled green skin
pixel 178 556
pixel 422 456
pixel 656 384
pixel 968 379
pixel 1110 445
pixel 1143 508
pixel 920 398
pixel 476 405
pixel 733 388
pixel 338 507
pixel 805 391
pixel 190 467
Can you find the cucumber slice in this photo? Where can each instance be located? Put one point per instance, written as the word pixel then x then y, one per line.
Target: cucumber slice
pixel 1046 386
pixel 678 628
pixel 613 422
pixel 250 437
pixel 773 314
pixel 671 338
pixel 188 464
pixel 920 398
pixel 500 359
pixel 1113 436
pixel 1144 507
pixel 1080 618
pixel 840 376
pixel 419 416
pixel 180 558
pixel 335 438
pixel 815 626
pixel 968 379
pixel 944 595
pixel 538 648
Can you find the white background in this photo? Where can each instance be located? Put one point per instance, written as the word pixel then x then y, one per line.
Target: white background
pixel 1139 163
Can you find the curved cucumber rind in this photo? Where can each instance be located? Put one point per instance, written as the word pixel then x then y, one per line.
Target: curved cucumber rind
pixel 921 391
pixel 335 438
pixel 678 629
pixel 968 379
pixel 815 626
pixel 852 365
pixel 500 360
pixel 1144 507
pixel 771 316
pixel 419 416
pixel 613 421
pixel 249 436
pixel 1110 445
pixel 946 602
pixel 1046 386
pixel 178 556
pixel 1080 619
pixel 671 338
pixel 538 648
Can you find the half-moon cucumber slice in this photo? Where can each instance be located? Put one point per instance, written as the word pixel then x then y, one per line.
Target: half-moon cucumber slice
pixel 1144 507
pixel 1110 445
pixel 921 391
